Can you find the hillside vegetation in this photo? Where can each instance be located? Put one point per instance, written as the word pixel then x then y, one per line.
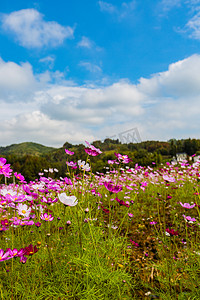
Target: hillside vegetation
pixel 30 159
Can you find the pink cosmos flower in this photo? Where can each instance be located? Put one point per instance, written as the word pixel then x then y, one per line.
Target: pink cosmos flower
pixel 4 256
pixel 187 205
pixel 190 219
pixel 112 188
pixel 5 168
pixel 20 177
pixel 130 215
pixel 169 178
pixel 91 150
pixel 123 158
pixel 16 253
pixel 46 217
pixel 69 152
pixel 71 164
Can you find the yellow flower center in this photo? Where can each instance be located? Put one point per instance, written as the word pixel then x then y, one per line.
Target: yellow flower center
pixel 23 211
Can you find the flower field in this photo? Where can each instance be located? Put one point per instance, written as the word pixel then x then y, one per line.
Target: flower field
pixel 127 233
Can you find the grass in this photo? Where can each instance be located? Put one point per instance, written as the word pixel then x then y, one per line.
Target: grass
pixel 140 248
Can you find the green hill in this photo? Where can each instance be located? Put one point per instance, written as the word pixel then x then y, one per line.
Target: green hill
pixel 27 148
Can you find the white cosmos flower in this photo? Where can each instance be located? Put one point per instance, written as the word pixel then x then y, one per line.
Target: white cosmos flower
pixel 23 210
pixel 68 200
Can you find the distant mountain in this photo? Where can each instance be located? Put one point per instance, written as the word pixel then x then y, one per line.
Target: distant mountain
pixel 27 148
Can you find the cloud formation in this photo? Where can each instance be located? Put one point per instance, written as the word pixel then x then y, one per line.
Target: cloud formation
pixel 90 67
pixel 32 31
pixel 121 12
pixel 163 106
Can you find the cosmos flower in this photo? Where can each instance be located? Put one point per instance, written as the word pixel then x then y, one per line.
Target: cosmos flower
pixel 91 150
pixel 171 231
pixel 112 188
pixel 83 165
pixel 23 210
pixel 69 152
pixel 68 200
pixel 187 205
pixel 71 164
pixel 4 256
pixel 190 219
pixel 46 217
pixel 5 168
pixel 123 158
pixel 30 250
pixel 20 177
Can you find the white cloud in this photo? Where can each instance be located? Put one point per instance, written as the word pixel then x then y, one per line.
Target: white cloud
pixel 32 31
pixel 48 60
pixel 169 4
pixel 107 7
pixel 193 26
pixel 163 106
pixel 121 12
pixel 16 80
pixel 181 79
pixel 90 67
pixel 38 127
pixel 85 43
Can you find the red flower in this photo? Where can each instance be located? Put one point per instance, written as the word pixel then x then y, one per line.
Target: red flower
pixel 30 250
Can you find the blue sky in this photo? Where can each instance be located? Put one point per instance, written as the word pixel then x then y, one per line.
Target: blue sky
pixel 86 70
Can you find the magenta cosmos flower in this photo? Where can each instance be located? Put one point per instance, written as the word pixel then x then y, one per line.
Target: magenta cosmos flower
pixel 69 152
pixel 68 200
pixel 46 217
pixel 91 150
pixel 4 256
pixel 19 176
pixel 5 168
pixel 112 188
pixel 123 158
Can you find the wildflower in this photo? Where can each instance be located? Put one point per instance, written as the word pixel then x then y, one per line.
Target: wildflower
pixel 105 209
pixel 123 158
pixel 23 259
pixel 121 202
pixel 169 178
pixel 152 223
pixel 188 218
pixel 4 256
pixel 171 231
pixel 68 223
pixel 5 168
pixel 112 188
pixel 91 150
pixel 71 164
pixel 30 250
pixel 38 224
pixel 187 205
pixel 83 165
pixel 130 215
pixel 46 217
pixel 68 200
pixel 69 152
pixel 23 210
pixel 134 243
pixel 20 177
